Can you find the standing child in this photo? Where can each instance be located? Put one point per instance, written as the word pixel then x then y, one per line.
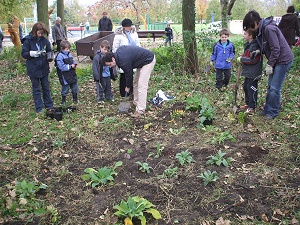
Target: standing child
pixel 169 34
pixel 66 71
pixel 103 74
pixel 252 66
pixel 222 56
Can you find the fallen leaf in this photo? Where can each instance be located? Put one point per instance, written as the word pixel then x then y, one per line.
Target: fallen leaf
pixel 294 221
pixel 264 218
pixel 221 221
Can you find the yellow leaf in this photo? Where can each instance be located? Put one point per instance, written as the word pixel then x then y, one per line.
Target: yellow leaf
pixel 128 221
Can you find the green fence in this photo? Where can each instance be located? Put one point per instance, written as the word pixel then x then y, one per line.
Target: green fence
pixel 157 26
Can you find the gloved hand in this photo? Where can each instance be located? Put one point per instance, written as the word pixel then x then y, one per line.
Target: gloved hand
pixel 269 70
pixel 239 59
pixel 211 63
pixel 229 60
pixel 35 54
pixel 254 54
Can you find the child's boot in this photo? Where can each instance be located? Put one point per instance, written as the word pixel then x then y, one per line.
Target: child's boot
pixel 63 100
pixel 75 99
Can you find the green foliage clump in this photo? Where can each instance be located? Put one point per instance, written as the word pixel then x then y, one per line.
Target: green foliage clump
pixel 136 207
pixel 184 157
pixel 219 159
pixel 144 167
pixel 101 176
pixel 296 61
pixel 12 100
pixel 208 177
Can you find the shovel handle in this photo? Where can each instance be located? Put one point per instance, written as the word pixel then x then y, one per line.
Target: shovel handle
pixel 126 94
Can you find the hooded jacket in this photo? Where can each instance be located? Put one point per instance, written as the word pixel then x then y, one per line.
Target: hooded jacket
pixel 252 67
pixel 221 54
pixel 121 39
pixel 289 27
pixel 36 67
pixel 98 68
pixel 273 43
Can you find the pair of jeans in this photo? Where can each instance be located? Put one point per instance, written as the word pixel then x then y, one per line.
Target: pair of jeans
pixel 37 84
pixel 104 88
pixel 220 81
pixel 250 89
pixel 65 89
pixel 271 108
pixel 168 40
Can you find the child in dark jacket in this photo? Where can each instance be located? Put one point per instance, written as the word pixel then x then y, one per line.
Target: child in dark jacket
pixel 103 74
pixel 66 71
pixel 221 58
pixel 251 69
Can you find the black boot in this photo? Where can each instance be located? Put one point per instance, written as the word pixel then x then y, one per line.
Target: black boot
pixel 75 99
pixel 63 100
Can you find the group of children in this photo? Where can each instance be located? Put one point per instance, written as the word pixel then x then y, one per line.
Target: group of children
pixel 221 59
pixel 66 71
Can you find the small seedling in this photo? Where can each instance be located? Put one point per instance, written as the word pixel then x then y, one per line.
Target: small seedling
pixel 176 131
pixel 177 113
pixel 184 157
pixel 144 167
pixel 222 137
pixel 169 172
pixel 101 176
pixel 159 150
pixel 129 151
pixel 28 189
pixel 135 207
pixel 218 159
pixel 208 177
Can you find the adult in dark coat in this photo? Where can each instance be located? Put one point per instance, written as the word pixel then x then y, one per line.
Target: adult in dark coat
pixel 35 50
pixel 105 23
pixel 289 26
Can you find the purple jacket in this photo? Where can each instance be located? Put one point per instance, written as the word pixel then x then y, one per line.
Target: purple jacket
pixel 273 43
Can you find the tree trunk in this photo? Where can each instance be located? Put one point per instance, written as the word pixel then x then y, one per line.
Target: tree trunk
pixel 189 40
pixel 226 7
pixel 60 11
pixel 42 12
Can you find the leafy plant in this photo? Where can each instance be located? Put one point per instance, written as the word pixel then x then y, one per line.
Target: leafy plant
pixel 176 131
pixel 218 159
pixel 135 207
pixel 207 112
pixel 177 113
pixel 159 150
pixel 144 167
pixel 184 157
pixel 28 189
pixel 208 177
pixel 193 103
pixel 101 176
pixel 221 137
pixel 169 172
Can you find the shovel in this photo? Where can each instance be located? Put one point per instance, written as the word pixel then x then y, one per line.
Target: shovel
pixel 125 105
pixel 235 108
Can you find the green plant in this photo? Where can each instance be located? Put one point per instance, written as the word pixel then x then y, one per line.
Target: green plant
pixel 159 150
pixel 208 177
pixel 177 113
pixel 184 157
pixel 135 207
pixel 144 167
pixel 27 189
pixel 207 112
pixel 193 103
pixel 221 137
pixel 176 131
pixel 218 159
pixel 169 172
pixel 101 176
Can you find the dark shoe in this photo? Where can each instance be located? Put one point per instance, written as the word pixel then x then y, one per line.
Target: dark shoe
pixel 75 99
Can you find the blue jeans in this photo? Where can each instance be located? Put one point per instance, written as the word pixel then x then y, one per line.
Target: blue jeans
pixel 37 84
pixel 65 89
pixel 271 108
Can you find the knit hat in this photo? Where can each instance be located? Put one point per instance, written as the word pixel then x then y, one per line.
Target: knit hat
pixel 126 23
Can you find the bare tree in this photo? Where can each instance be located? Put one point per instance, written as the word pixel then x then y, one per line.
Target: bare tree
pixel 42 12
pixel 226 7
pixel 189 40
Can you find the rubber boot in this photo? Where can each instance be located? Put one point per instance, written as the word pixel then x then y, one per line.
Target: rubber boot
pixel 63 100
pixel 75 99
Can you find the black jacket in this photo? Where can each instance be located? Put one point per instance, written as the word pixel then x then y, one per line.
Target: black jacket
pixel 289 26
pixel 132 57
pixel 105 24
pixel 36 67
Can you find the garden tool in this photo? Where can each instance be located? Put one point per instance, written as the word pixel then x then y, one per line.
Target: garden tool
pixel 125 105
pixel 235 108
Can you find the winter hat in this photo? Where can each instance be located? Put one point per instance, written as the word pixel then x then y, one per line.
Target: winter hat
pixel 126 23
